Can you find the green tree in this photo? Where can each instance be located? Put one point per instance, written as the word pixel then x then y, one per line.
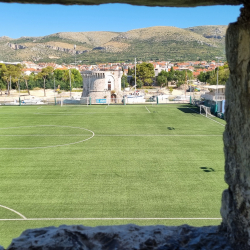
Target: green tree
pixel 139 83
pixel 175 75
pixel 2 86
pixel 202 77
pixel 26 78
pixel 32 82
pixel 44 75
pixel 145 72
pixel 58 74
pixel 77 78
pixel 161 80
pixel 206 76
pixel 130 72
pixel 11 74
pixel 124 81
pixel 62 78
pixel 68 77
pixel 223 76
pixel 211 76
pixel 3 69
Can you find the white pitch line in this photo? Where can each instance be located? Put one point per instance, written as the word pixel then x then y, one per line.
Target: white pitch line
pixel 46 135
pixel 54 146
pixel 24 218
pixel 84 219
pixel 69 114
pixel 147 109
pixel 156 135
pixel 207 117
pixel 106 107
pixel 39 108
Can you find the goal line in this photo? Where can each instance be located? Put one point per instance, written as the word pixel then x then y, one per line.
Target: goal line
pixel 207 117
pixel 93 219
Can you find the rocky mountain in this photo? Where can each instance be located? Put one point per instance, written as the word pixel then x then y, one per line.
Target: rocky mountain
pixel 210 31
pixel 153 43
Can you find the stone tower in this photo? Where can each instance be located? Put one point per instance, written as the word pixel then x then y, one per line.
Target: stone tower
pixel 102 85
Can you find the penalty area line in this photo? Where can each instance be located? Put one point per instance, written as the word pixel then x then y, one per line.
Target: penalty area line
pixel 44 219
pixel 207 117
pixel 76 135
pixel 152 135
pixel 147 109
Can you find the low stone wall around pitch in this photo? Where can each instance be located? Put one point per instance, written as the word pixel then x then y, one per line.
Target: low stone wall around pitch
pixel 125 237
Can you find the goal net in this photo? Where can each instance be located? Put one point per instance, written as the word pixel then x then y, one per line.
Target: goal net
pixel 204 110
pixel 73 101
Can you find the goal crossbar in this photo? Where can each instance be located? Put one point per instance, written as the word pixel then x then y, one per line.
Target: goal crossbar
pixel 206 110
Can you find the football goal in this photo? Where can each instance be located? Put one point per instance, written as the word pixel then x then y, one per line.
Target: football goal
pixel 74 101
pixel 204 110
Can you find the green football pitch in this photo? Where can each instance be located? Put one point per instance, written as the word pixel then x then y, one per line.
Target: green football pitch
pixel 108 165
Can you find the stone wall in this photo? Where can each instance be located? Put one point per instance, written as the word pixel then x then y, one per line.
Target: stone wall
pixel 235 208
pixel 126 237
pixel 95 84
pixel 171 3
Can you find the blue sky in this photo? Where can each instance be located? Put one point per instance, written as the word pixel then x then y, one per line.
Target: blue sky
pixel 38 20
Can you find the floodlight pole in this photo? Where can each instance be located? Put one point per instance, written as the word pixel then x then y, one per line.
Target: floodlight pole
pixel 70 81
pixel 217 84
pixel 10 83
pixel 54 85
pixel 135 75
pixel 19 87
pixel 9 86
pixel 75 55
pixel 217 81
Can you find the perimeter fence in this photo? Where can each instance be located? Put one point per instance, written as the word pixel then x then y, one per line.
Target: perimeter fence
pixel 31 100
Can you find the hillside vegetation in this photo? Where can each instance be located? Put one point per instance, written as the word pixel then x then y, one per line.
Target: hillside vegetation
pixel 153 43
pixel 210 31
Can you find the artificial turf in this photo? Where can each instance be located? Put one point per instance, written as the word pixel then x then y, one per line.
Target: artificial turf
pixel 73 162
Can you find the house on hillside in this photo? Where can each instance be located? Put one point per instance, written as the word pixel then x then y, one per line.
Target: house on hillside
pixel 30 70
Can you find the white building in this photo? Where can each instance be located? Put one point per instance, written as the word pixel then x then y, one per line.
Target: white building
pixel 215 95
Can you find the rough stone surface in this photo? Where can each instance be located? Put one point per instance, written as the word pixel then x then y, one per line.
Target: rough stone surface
pixel 235 208
pixel 16 46
pixel 71 51
pixel 171 3
pixel 126 237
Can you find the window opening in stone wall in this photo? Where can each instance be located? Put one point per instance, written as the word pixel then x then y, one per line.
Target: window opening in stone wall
pixel 162 189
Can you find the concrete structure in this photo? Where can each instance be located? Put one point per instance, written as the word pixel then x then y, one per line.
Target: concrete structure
pixel 215 95
pixel 170 3
pixel 101 85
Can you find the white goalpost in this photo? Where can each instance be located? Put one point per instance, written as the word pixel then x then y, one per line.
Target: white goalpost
pixel 67 101
pixel 205 110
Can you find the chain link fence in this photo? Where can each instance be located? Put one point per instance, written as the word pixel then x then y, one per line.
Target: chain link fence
pixel 126 100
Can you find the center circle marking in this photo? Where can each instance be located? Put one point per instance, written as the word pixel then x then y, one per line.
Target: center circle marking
pixel 52 146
